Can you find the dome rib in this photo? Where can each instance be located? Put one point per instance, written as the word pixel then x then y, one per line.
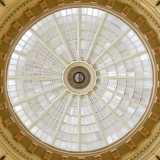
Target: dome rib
pixel 96 35
pixel 62 119
pixel 112 111
pixel 62 38
pixel 48 47
pixel 97 122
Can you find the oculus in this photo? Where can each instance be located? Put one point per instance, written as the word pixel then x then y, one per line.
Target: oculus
pixel 79 77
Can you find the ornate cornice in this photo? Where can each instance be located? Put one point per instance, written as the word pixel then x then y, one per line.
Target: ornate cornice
pixel 138 6
pixel 19 153
pixel 14 13
pixel 143 9
pixel 146 146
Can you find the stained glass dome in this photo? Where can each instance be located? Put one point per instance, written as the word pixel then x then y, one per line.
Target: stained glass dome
pixel 112 106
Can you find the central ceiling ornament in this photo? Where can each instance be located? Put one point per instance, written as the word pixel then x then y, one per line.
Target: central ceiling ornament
pixel 79 77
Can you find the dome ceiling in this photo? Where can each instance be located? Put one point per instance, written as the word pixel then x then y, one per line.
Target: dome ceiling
pixel 80 122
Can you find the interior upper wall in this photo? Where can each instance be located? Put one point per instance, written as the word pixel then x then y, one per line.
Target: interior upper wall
pixel 118 6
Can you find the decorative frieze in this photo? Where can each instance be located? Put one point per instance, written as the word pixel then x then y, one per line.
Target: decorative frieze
pixel 154 117
pixel 157 50
pixel 64 158
pixel 1 89
pixel 7 2
pixel 2 56
pixel 3 106
pixel 131 145
pixel 116 154
pixel 98 157
pixel 126 10
pixel 19 136
pixel 110 3
pixel 43 5
pixel 150 34
pixel 144 132
pixel 158 99
pixel 29 14
pixel 81 158
pixel 60 1
pixel 32 147
pixel 142 8
pixel 2 8
pixel 94 1
pixel 17 25
pixel 7 39
pixel 1 73
pixel 139 21
pixel 8 122
pixel 47 155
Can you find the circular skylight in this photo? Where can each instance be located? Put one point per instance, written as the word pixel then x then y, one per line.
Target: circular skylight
pixel 71 121
pixel 79 77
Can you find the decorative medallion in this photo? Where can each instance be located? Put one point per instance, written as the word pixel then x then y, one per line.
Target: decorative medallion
pixel 79 77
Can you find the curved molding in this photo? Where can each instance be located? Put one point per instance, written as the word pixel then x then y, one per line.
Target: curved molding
pixel 12 14
pixel 145 147
pixel 113 145
pixel 145 11
pixel 142 148
pixel 12 148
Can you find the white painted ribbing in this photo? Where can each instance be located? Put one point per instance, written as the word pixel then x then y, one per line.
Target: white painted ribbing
pixel 48 46
pixel 61 119
pixel 112 111
pixel 111 45
pixel 96 36
pixel 36 95
pixel 46 110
